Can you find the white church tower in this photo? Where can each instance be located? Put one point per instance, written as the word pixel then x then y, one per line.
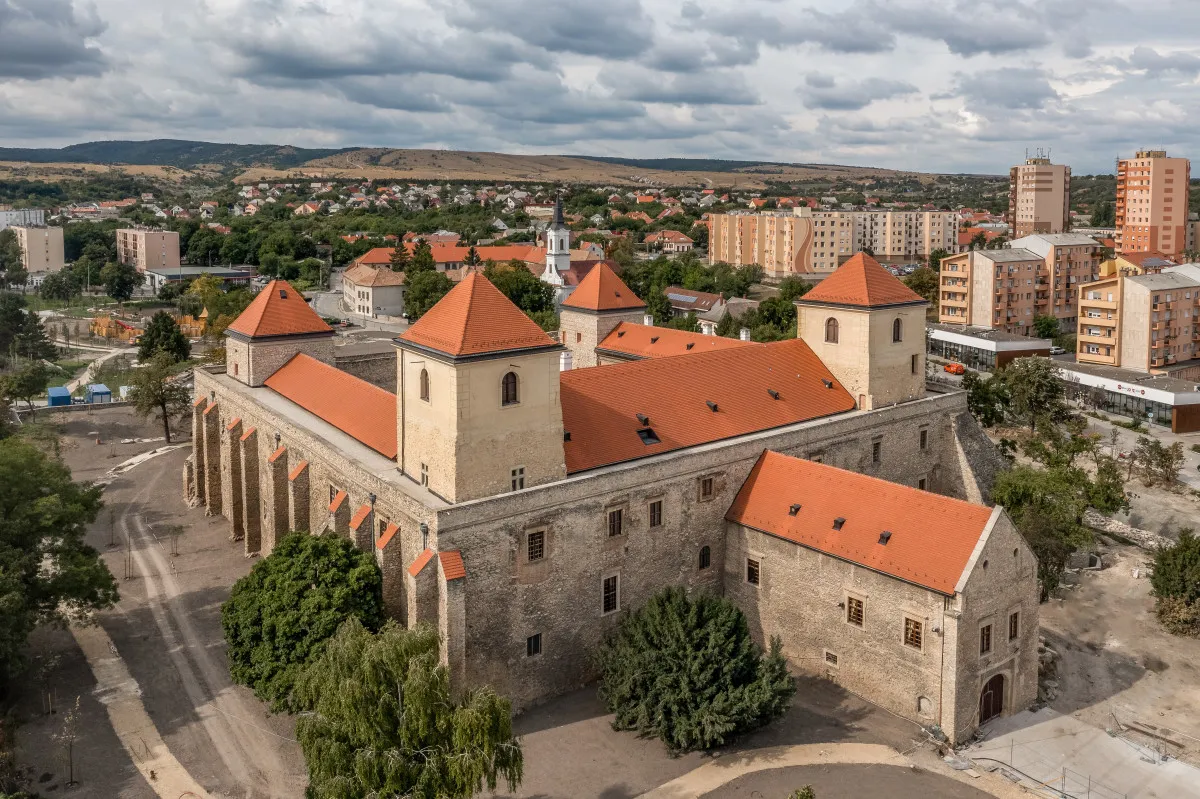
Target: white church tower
pixel 558 247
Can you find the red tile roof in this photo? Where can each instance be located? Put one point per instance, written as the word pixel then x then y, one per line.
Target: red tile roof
pixel 417 565
pixel 932 537
pixel 299 470
pixel 210 409
pixel 338 499
pixel 473 319
pixel 246 435
pixel 277 454
pixel 388 534
pixel 233 423
pixel 602 290
pixel 360 516
pixel 692 301
pixel 278 310
pixel 364 275
pixel 452 565
pixel 357 408
pixel 600 405
pixel 862 281
pixel 646 341
pixel 196 403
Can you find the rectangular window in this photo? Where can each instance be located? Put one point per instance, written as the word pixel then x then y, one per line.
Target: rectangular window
pixel 985 639
pixel 916 360
pixel 921 483
pixel 333 492
pixel 706 488
pixel 424 474
pixel 876 451
pixel 831 658
pixel 533 645
pixel 1014 626
pixel 854 611
pixel 536 545
pixel 753 574
pixel 656 513
pixel 924 439
pixel 611 594
pixel 912 633
pixel 518 478
pixel 616 518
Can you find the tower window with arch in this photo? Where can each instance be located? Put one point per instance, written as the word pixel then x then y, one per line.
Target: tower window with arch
pixel 425 384
pixel 897 330
pixel 831 331
pixel 509 389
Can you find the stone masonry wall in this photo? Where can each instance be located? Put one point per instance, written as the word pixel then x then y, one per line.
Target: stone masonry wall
pixel 582 332
pixel 378 369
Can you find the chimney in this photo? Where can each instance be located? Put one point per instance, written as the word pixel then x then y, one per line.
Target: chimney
pixel 648 320
pixel 744 334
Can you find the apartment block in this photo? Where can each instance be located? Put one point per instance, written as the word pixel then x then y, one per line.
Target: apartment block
pixel 1142 322
pixel 1152 203
pixel 148 248
pixel 1006 289
pixel 34 217
pixel 41 248
pixel 1039 198
pixel 808 240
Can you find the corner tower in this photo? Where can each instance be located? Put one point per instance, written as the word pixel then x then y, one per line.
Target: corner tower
pixel 478 397
pixel 277 325
pixel 599 303
pixel 869 330
pixel 558 247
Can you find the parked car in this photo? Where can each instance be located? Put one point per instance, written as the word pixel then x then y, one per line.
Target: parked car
pixel 955 368
pixel 1057 351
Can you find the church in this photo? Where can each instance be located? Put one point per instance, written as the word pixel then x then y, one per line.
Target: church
pixel 522 491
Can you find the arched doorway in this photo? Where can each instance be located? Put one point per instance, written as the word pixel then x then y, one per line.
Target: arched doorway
pixel 991 700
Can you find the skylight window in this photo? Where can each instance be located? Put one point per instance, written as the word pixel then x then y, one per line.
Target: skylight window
pixel 884 537
pixel 712 406
pixel 838 522
pixel 774 394
pixel 648 436
pixel 792 511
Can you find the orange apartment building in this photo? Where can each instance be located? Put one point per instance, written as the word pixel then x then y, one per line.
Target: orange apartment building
pixel 148 248
pixel 1039 198
pixel 1006 289
pixel 1152 203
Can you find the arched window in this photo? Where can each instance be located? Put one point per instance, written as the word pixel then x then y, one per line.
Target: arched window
pixel 508 390
pixel 425 385
pixel 831 331
pixel 897 330
pixel 705 557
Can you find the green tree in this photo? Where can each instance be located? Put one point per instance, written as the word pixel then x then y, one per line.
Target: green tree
pixel 1059 445
pixel 422 290
pixel 27 382
pixel 380 720
pixel 400 258
pixel 924 281
pixel 687 322
pixel 1158 463
pixel 685 670
pixel 546 320
pixel 279 616
pixel 31 340
pixel 60 286
pixel 163 335
pixel 1104 214
pixel 1175 583
pixel 792 288
pixel 422 259
pixel 1046 326
pixel 527 291
pixel 12 260
pixel 48 574
pixel 987 398
pixel 204 247
pixel 803 793
pixel 155 392
pixel 120 280
pixel 1034 390
pixel 472 257
pixel 935 259
pixel 978 241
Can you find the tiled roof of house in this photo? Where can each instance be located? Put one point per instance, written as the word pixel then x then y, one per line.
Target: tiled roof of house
pixel 357 408
pixel 692 301
pixel 932 536
pixel 364 275
pixel 452 564
pixel 691 400
pixel 645 341
pixel 603 290
pixel 454 254
pixel 862 281
pixel 473 319
pixel 278 310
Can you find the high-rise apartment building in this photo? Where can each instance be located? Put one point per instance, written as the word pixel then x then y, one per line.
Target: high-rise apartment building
pixel 9 217
pixel 1152 203
pixel 1039 198
pixel 41 248
pixel 1007 289
pixel 148 248
pixel 808 241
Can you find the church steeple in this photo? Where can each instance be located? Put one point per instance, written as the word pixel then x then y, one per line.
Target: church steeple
pixel 558 247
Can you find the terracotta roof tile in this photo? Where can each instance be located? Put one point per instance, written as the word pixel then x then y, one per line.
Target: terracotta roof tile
pixel 452 565
pixel 212 407
pixel 278 310
pixel 246 435
pixel 388 533
pixel 338 499
pixel 363 411
pixel 360 516
pixel 688 300
pixel 277 454
pixel 862 281
pixel 299 470
pixel 365 275
pixel 645 341
pixel 473 319
pixel 421 562
pixel 601 405
pixel 932 536
pixel 602 290
pixel 199 401
pixel 233 423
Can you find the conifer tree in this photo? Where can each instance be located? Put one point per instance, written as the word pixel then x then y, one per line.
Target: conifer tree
pixel 399 260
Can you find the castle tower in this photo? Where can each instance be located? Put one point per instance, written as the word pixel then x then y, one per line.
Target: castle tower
pixel 869 330
pixel 599 303
pixel 277 325
pixel 479 412
pixel 558 247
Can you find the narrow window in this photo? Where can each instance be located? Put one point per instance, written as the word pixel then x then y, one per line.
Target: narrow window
pixel 916 361
pixel 425 385
pixel 533 645
pixel 611 593
pixel 924 438
pixel 921 483
pixel 752 571
pixel 424 474
pixel 615 522
pixel 831 331
pixel 912 633
pixel 897 331
pixel 705 557
pixel 706 488
pixel 578 337
pixel 518 478
pixel 508 389
pixel 235 368
pixel 854 611
pixel 876 451
pixel 333 492
pixel 1014 626
pixel 656 513
pixel 536 545
pixel 985 639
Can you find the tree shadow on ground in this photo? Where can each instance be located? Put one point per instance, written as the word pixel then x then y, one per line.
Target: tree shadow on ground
pixel 1105 671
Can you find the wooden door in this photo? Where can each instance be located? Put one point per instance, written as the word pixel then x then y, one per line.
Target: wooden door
pixel 991 700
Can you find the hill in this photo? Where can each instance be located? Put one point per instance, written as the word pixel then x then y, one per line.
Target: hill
pixel 168 152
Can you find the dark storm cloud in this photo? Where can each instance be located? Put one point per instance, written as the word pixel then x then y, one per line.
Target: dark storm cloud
pixel 47 39
pixel 616 29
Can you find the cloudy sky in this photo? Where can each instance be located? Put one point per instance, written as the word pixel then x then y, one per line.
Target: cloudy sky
pixel 937 85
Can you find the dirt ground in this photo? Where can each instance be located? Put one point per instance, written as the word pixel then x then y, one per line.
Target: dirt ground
pixel 1116 659
pixel 842 781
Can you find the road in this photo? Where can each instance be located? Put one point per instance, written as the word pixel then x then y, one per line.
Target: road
pixel 86 377
pixel 329 304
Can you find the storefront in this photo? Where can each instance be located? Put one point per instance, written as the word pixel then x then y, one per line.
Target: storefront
pixel 1163 401
pixel 981 348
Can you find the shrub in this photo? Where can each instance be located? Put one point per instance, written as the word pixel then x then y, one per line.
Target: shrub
pixel 279 616
pixel 1175 583
pixel 685 670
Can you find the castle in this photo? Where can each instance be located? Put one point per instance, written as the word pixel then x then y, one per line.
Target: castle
pixel 522 507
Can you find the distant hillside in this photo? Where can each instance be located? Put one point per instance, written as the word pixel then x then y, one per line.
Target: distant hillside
pixel 697 164
pixel 170 152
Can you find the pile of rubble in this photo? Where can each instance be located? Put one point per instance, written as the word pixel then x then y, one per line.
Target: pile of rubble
pixel 1047 672
pixel 1143 538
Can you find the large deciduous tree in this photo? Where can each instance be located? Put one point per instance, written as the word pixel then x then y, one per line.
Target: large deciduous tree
pixel 1175 580
pixel 422 290
pixel 687 671
pixel 527 291
pixel 379 720
pixel 163 335
pixel 155 392
pixel 279 616
pixel 120 280
pixel 1034 391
